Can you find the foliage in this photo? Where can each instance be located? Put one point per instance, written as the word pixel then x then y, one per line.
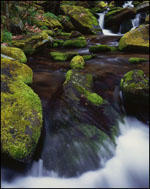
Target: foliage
pixel 49 15
pixel 6 36
pixel 44 28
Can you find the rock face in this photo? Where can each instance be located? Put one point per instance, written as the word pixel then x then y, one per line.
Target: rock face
pixel 114 18
pixel 33 42
pixel 21 111
pixel 15 53
pixel 136 40
pixel 83 125
pixel 83 20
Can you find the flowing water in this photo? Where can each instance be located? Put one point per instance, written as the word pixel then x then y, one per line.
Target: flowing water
pixel 127 169
pixel 128 165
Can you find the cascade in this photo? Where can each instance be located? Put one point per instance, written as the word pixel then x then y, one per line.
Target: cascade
pixel 128 4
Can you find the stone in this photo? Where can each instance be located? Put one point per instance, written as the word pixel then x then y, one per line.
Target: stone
pixel 77 62
pixel 136 40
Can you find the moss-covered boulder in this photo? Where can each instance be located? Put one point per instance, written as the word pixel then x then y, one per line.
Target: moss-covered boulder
pixel 77 62
pixel 33 42
pixel 60 56
pixel 137 60
pixel 16 25
pixel 83 20
pixel 115 17
pixel 83 125
pixel 88 57
pixel 15 53
pixel 102 48
pixel 135 87
pixel 49 20
pixel 66 23
pixel 79 42
pixel 136 40
pixel 21 112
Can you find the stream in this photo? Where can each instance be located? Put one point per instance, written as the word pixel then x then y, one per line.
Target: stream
pixel 128 164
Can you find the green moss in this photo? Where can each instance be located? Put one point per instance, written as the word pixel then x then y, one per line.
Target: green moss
pixel 15 53
pixel 59 56
pixel 77 62
pixel 15 70
pixel 58 43
pixel 94 98
pixel 88 57
pixel 75 43
pixel 102 48
pixel 68 76
pixel 21 121
pixel 33 42
pixel 83 18
pixel 136 40
pixel 114 11
pixel 137 60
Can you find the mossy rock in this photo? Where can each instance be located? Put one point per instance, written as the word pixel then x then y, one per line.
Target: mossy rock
pixel 33 42
pixel 77 62
pixel 115 17
pixel 66 23
pixel 21 121
pixel 102 48
pixel 83 86
pixel 135 87
pixel 15 53
pixel 79 42
pixel 14 70
pixel 137 60
pixel 101 4
pixel 60 56
pixel 83 20
pixel 88 57
pixel 50 22
pixel 136 40
pixel 21 111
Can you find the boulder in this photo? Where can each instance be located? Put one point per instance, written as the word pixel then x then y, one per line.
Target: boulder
pixel 66 23
pixel 77 62
pixel 136 40
pixel 33 42
pixel 16 25
pixel 14 52
pixel 21 112
pixel 83 20
pixel 135 87
pixel 115 17
pixel 84 126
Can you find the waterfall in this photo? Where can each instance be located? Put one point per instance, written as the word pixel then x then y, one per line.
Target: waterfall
pixel 101 24
pixel 136 21
pixel 127 169
pixel 128 4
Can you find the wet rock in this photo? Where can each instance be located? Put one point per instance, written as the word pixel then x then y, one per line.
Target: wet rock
pixel 136 40
pixel 82 125
pixel 115 17
pixel 15 53
pixel 33 42
pixel 83 20
pixel 21 112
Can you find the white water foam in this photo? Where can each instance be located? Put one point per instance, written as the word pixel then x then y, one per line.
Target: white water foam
pixel 129 168
pixel 101 24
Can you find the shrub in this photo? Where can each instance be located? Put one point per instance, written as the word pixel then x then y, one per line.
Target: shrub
pixel 49 15
pixel 6 36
